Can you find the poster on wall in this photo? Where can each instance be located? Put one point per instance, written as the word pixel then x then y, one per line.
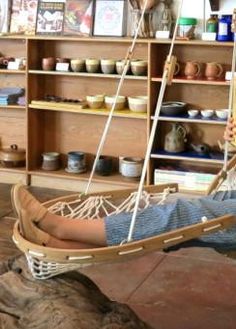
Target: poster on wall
pixel 110 18
pixel 78 17
pixel 50 17
pixel 23 16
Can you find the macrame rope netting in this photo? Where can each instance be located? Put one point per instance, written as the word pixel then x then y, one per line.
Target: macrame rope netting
pixel 96 207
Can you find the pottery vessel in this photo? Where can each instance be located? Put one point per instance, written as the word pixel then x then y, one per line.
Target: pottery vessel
pixel 12 157
pixel 48 63
pixel 76 162
pixel 119 105
pixel 213 71
pixel 131 167
pixel 138 104
pixel 120 67
pixel 139 67
pixel 192 70
pixel 92 65
pixel 95 101
pixel 51 161
pixel 104 165
pixel 77 65
pixel 175 140
pixel 108 66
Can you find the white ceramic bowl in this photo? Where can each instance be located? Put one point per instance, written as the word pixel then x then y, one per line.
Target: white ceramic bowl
pixel 138 104
pixel 207 113
pixel 193 113
pixel 222 114
pixel 120 102
pixel 95 101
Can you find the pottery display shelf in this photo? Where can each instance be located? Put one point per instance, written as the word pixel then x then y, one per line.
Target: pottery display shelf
pixel 82 108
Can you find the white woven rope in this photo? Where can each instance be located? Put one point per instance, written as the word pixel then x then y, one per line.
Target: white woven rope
pixel 95 207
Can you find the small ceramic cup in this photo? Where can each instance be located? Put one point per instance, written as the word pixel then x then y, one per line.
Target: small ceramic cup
pixel 48 63
pixel 108 66
pixel 139 67
pixel 95 101
pixel 51 161
pixel 77 64
pixel 76 162
pixel 92 65
pixel 130 167
pixel 104 165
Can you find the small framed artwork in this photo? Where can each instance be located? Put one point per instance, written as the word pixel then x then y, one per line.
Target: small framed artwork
pixel 110 18
pixel 78 17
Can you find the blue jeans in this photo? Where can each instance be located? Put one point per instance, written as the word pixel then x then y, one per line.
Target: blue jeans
pixel 158 219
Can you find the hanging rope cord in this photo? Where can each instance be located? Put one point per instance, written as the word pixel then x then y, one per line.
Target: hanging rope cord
pixel 156 115
pixel 154 127
pixel 224 174
pixel 107 126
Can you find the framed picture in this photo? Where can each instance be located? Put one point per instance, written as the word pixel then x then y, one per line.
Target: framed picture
pixel 50 17
pixel 78 18
pixel 110 18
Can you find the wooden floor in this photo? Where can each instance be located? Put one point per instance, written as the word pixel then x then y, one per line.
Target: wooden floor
pixel 192 288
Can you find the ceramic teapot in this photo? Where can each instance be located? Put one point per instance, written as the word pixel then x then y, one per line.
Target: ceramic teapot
pixel 201 149
pixel 175 140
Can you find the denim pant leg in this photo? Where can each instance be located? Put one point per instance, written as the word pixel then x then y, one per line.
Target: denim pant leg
pixel 158 219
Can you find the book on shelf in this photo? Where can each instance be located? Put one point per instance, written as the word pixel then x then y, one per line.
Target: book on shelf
pixel 23 16
pixel 50 17
pixel 78 17
pixel 5 15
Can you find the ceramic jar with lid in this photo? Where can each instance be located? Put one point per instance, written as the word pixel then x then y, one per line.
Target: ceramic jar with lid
pixel 186 27
pixel 12 157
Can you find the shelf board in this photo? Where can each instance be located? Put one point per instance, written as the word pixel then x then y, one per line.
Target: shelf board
pixel 21 170
pixel 85 74
pixel 214 121
pixel 186 158
pixel 6 71
pixel 114 179
pixel 104 112
pixel 195 82
pixel 16 107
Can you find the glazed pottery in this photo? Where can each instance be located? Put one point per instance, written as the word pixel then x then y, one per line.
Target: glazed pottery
pixel 213 71
pixel 95 101
pixel 120 67
pixel 131 167
pixel 104 165
pixel 76 162
pixel 77 65
pixel 192 70
pixel 108 66
pixel 139 67
pixel 119 105
pixel 51 161
pixel 138 104
pixel 12 157
pixel 92 65
pixel 48 63
pixel 175 140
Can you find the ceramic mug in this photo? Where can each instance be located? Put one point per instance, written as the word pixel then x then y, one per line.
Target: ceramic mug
pixel 51 161
pixel 104 165
pixel 213 71
pixel 130 167
pixel 77 65
pixel 76 162
pixel 48 63
pixel 192 70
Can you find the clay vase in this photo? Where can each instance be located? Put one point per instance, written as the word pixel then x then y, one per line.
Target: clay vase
pixel 48 63
pixel 192 70
pixel 175 140
pixel 213 71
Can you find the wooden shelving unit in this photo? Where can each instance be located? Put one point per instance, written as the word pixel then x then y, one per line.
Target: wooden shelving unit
pixel 41 129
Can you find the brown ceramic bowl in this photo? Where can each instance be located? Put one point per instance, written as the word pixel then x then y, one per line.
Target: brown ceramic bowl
pixel 95 101
pixel 120 102
pixel 139 67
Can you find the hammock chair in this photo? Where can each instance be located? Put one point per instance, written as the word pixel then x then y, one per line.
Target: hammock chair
pixel 45 262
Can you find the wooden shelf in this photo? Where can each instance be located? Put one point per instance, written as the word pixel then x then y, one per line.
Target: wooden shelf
pixel 114 179
pixel 104 112
pixel 6 71
pixel 9 107
pixel 192 120
pixel 90 75
pixel 21 170
pixel 196 82
pixel 186 158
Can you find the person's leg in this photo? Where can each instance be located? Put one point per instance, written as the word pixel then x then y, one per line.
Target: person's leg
pixel 90 231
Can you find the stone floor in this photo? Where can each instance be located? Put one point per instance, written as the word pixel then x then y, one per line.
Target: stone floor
pixel 190 288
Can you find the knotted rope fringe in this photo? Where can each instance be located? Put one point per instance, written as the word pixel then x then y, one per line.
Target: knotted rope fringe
pixel 99 206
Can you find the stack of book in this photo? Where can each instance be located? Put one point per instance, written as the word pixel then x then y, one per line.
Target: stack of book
pixel 9 96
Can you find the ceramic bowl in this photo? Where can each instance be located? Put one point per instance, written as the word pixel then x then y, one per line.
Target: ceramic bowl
pixel 108 66
pixel 207 113
pixel 222 114
pixel 139 67
pixel 138 104
pixel 131 167
pixel 120 102
pixel 95 101
pixel 77 64
pixel 173 108
pixel 120 67
pixel 92 65
pixel 193 113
